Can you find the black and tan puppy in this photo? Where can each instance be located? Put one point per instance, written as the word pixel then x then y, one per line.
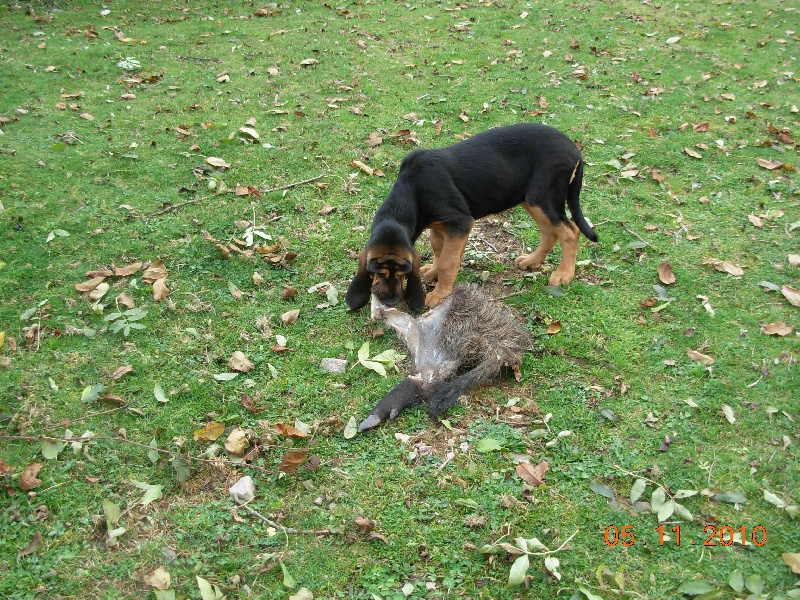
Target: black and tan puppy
pixel 446 189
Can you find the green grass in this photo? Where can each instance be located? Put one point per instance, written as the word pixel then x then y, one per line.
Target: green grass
pixel 117 189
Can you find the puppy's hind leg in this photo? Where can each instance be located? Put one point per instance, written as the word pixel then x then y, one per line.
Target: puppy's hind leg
pixel 548 237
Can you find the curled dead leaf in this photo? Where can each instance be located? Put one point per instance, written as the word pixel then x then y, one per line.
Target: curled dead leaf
pixel 693 153
pixel 159 579
pixel 533 475
pixel 127 270
pixel 239 362
pixel 778 328
pixel 157 270
pixel 755 220
pixel 160 289
pixel 770 165
pixel 237 442
pixel 32 546
pixel 361 166
pixel 289 431
pixel 292 460
pixel 210 432
pixel 665 273
pixel 248 403
pixel 126 300
pixel 290 316
pixel 28 478
pixel 703 359
pixel 553 328
pixel 363 524
pixel 120 371
pixel 88 286
pixel 791 294
pixel 289 291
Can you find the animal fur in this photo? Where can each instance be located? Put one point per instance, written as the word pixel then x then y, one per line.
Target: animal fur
pixel 467 330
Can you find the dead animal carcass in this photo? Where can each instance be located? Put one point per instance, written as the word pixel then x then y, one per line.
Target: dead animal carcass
pixel 466 331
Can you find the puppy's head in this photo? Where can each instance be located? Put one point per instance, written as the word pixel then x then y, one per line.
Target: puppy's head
pixel 391 273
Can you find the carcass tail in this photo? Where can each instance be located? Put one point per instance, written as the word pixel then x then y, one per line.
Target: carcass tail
pixel 573 202
pixel 406 393
pixel 447 393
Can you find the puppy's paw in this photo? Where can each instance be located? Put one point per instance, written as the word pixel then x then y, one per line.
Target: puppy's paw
pixel 429 273
pixel 435 297
pixel 528 261
pixel 561 277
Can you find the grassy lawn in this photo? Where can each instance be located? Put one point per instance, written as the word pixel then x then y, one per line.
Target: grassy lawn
pixel 219 164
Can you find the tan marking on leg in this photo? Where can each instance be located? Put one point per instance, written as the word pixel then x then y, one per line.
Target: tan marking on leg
pixel 431 272
pixel 568 238
pixel 447 265
pixel 548 238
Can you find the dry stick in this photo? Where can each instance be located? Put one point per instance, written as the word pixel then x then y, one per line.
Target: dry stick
pixel 68 422
pixel 277 525
pixel 172 207
pixel 633 233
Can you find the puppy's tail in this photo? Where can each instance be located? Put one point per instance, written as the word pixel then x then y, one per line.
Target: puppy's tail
pixel 573 201
pixel 447 393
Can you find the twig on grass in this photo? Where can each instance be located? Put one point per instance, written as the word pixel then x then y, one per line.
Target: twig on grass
pixel 291 185
pixel 172 207
pixel 277 525
pixel 633 233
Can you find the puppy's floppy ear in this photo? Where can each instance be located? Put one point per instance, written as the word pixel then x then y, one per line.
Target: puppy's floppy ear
pixel 415 294
pixel 360 288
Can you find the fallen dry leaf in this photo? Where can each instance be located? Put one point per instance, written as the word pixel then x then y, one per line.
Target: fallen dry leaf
pixel 755 220
pixel 160 289
pixel 794 260
pixel 791 294
pixel 360 165
pixel 210 432
pixel 665 273
pixel 128 270
pixel 237 442
pixel 28 479
pixel 88 286
pixel 218 163
pixel 159 579
pixel 239 362
pixel 126 300
pixel 778 328
pixel 120 371
pixel 290 316
pixel 703 359
pixel 553 328
pixel 292 460
pixel 792 560
pixel 289 291
pixel 770 165
pixel 373 139
pixel 724 266
pixel 154 272
pixel 692 153
pixel 32 545
pixel 248 403
pixel 728 412
pixel 533 475
pixel 289 431
pixel 363 524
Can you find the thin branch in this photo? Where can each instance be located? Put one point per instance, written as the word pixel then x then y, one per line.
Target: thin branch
pixel 633 233
pixel 291 185
pixel 277 525
pixel 68 422
pixel 172 207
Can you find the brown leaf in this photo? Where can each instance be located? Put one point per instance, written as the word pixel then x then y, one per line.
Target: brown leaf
pixel 692 153
pixel 5 468
pixel 248 403
pixel 648 302
pixel 159 579
pixel 724 266
pixel 791 294
pixel 32 545
pixel 665 273
pixel 363 524
pixel 755 220
pixel 533 475
pixel 360 165
pixel 128 270
pixel 88 286
pixel 210 432
pixel 326 210
pixel 239 362
pixel 100 273
pixel 112 399
pixel 279 348
pixel 700 126
pixel 289 431
pixel 770 165
pixel 373 139
pixel 27 479
pixel 792 560
pixel 292 460
pixel 290 316
pixel 237 442
pixel 656 174
pixel 553 328
pixel 289 291
pixel 778 328
pixel 154 272
pixel 120 371
pixel 794 260
pixel 126 300
pixel 703 359
pixel 160 289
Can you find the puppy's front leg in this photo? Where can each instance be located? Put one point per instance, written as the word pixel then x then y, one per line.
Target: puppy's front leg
pixel 447 267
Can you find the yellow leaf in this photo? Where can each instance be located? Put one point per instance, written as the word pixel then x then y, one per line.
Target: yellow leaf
pixel 703 359
pixel 210 432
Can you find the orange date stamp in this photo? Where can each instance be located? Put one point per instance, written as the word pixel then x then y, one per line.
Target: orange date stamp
pixel 724 535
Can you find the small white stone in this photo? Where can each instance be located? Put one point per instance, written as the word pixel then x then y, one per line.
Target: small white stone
pixel 244 489
pixel 333 365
